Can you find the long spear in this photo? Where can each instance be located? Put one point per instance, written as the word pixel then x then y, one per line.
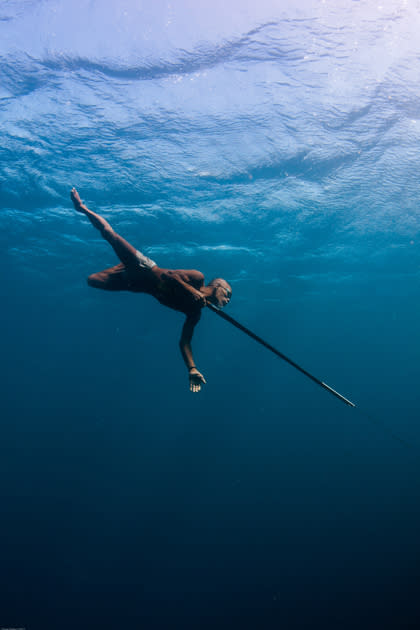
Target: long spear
pixel 248 332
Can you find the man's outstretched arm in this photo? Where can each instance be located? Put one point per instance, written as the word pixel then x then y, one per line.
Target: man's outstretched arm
pixel 196 378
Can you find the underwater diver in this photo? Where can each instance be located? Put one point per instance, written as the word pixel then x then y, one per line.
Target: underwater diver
pixel 180 289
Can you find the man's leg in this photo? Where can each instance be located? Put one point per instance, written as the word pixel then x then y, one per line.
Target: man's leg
pixel 125 252
pixel 112 279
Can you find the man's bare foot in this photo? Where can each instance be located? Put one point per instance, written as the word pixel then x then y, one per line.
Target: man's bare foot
pixel 77 202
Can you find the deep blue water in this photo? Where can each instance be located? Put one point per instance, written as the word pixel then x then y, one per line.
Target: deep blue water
pixel 274 146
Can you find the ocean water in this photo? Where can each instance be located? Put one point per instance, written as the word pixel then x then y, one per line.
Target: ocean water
pixel 271 144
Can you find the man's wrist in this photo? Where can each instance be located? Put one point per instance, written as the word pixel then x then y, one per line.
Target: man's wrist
pixel 191 367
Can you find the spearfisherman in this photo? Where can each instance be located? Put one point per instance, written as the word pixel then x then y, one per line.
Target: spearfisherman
pixel 180 289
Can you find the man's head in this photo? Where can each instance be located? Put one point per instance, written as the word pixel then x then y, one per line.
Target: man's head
pixel 221 292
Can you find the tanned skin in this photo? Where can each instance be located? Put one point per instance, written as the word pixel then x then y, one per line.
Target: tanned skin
pixel 180 289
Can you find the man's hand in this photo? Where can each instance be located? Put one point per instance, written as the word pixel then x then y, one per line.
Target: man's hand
pixel 199 298
pixel 196 379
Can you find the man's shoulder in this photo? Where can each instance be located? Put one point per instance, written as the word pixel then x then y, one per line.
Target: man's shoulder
pixel 186 271
pixel 187 274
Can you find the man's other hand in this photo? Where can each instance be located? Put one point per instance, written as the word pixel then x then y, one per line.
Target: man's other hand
pixel 196 379
pixel 199 298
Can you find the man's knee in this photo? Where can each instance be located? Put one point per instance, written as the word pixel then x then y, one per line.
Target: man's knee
pixel 113 279
pixel 95 280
